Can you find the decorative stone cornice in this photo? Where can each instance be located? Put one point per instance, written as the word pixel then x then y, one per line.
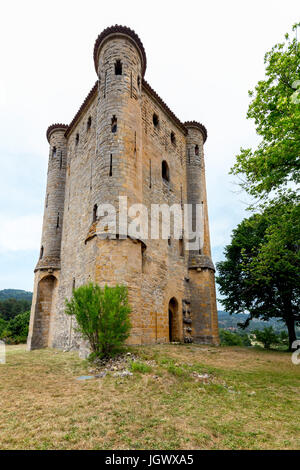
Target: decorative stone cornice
pixel 48 262
pixel 201 262
pixel 121 31
pixel 93 232
pixel 199 126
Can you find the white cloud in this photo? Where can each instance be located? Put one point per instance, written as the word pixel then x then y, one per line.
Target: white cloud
pixel 20 233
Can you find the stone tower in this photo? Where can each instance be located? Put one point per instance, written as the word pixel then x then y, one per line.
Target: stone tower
pixel 201 289
pixel 48 267
pixel 124 144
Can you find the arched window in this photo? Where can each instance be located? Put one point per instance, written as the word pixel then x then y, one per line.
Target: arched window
pixel 173 138
pixel 41 252
pixel 95 213
pixel 155 120
pixel 118 67
pixel 197 150
pixel 165 171
pixel 77 139
pixel 114 124
pixel 54 152
pixel 89 123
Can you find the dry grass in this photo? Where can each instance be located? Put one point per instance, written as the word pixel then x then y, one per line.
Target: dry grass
pixel 251 402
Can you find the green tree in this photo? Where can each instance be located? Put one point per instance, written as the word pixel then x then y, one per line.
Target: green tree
pixel 261 271
pixel 15 330
pixel 267 337
pixel 275 108
pixel 11 307
pixel 102 316
pixel 3 326
pixel 230 338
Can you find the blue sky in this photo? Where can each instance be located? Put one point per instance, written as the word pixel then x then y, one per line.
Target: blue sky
pixel 202 59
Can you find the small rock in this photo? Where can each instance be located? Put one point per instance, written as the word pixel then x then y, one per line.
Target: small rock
pixel 123 373
pixel 101 375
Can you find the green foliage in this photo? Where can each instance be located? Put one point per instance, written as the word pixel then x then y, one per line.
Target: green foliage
pixel 234 338
pixel 229 321
pixel 267 337
pixel 177 371
pixel 3 325
pixel 15 330
pixel 140 367
pixel 11 307
pixel 283 338
pixel 102 316
pixel 276 112
pixel 261 272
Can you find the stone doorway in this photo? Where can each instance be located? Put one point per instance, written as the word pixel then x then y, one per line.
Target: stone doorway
pixel 173 320
pixel 43 312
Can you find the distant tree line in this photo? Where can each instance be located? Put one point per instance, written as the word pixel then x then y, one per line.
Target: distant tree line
pixel 17 294
pixel 267 338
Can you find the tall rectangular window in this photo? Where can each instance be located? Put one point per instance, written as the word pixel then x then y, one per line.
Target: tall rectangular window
pixel 110 165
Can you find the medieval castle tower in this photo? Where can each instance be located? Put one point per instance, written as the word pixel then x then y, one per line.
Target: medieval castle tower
pixel 123 141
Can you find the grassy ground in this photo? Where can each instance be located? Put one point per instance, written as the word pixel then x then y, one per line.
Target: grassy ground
pixel 251 401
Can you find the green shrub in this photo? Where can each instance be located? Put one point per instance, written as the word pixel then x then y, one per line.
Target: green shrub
pixel 234 338
pixel 283 338
pixel 267 337
pixel 140 367
pixel 16 330
pixel 3 326
pixel 102 316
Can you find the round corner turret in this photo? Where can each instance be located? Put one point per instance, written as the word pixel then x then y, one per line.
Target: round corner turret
pixel 122 32
pixel 54 128
pixel 199 126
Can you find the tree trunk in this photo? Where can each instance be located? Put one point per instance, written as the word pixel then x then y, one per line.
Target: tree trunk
pixel 290 323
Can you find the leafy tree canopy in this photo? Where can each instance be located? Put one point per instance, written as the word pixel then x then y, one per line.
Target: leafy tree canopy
pixel 275 108
pixel 261 271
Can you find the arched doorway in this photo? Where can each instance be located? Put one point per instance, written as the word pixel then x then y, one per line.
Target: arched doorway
pixel 43 312
pixel 173 320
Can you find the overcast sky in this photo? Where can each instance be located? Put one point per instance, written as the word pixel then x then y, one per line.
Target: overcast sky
pixel 202 58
